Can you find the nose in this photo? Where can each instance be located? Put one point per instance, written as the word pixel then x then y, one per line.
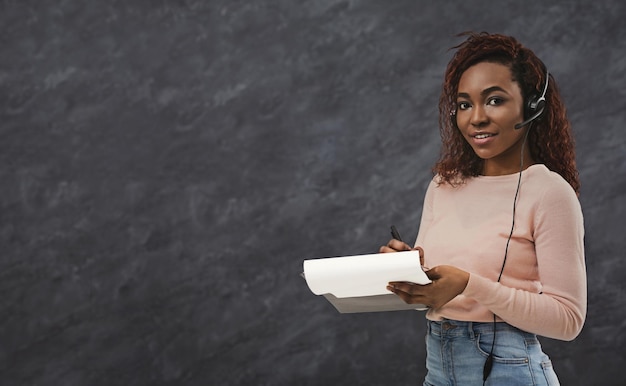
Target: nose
pixel 478 117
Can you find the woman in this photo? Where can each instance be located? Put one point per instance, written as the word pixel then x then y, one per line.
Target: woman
pixel 501 228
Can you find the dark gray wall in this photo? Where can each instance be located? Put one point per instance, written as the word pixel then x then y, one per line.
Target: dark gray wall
pixel 166 167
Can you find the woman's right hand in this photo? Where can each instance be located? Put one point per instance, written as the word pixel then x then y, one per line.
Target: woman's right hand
pixel 394 246
pixel 398 246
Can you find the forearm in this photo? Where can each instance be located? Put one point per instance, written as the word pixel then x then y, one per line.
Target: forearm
pixel 550 315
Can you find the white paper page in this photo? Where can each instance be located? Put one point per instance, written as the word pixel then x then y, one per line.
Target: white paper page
pixel 362 275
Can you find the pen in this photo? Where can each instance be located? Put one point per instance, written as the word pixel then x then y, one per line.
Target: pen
pixel 395 234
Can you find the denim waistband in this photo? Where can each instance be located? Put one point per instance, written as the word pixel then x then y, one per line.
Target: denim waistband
pixel 451 328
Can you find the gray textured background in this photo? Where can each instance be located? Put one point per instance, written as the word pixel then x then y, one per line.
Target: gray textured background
pixel 166 167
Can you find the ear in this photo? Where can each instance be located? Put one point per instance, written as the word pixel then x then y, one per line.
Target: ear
pixel 453 119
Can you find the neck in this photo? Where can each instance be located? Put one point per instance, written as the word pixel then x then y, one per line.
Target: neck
pixel 491 169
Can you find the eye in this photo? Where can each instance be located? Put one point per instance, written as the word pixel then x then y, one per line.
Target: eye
pixel 495 101
pixel 463 105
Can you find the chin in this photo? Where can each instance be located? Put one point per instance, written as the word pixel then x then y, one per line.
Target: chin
pixel 484 155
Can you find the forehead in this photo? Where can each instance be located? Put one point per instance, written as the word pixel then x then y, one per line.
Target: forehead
pixel 484 75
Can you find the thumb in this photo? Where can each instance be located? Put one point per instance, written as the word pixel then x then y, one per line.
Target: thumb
pixel 421 251
pixel 433 273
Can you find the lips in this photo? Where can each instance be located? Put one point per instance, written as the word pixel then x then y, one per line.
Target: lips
pixel 482 138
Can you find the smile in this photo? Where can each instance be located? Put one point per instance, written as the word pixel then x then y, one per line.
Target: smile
pixel 483 136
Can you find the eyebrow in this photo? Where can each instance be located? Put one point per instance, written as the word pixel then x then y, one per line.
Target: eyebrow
pixel 485 92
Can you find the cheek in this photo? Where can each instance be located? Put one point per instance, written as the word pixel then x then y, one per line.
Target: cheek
pixel 509 120
pixel 461 121
pixel 461 132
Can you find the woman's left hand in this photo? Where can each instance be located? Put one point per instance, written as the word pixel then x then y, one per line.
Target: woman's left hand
pixel 447 283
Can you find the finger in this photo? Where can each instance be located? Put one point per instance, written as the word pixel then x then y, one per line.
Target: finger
pixel 406 297
pixel 407 287
pixel 433 273
pixel 386 249
pixel 398 245
pixel 394 246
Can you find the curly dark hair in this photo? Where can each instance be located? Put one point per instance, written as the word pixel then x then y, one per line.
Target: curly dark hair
pixel 550 140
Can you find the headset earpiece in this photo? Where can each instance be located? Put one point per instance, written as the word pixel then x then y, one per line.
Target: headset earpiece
pixel 535 105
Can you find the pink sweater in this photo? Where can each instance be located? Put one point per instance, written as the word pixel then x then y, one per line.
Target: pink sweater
pixel 543 289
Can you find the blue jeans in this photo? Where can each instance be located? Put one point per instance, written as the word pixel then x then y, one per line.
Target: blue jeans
pixel 456 353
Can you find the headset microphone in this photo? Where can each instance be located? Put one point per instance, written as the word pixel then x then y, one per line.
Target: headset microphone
pixel 535 116
pixel 535 106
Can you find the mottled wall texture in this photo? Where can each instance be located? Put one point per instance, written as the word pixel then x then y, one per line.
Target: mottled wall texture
pixel 166 166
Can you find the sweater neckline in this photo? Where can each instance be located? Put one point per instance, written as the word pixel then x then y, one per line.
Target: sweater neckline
pixel 505 177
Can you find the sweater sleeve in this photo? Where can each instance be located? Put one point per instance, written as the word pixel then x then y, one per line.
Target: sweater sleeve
pixel 559 310
pixel 427 213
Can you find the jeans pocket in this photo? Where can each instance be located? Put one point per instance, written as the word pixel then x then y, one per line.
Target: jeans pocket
pixel 507 348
